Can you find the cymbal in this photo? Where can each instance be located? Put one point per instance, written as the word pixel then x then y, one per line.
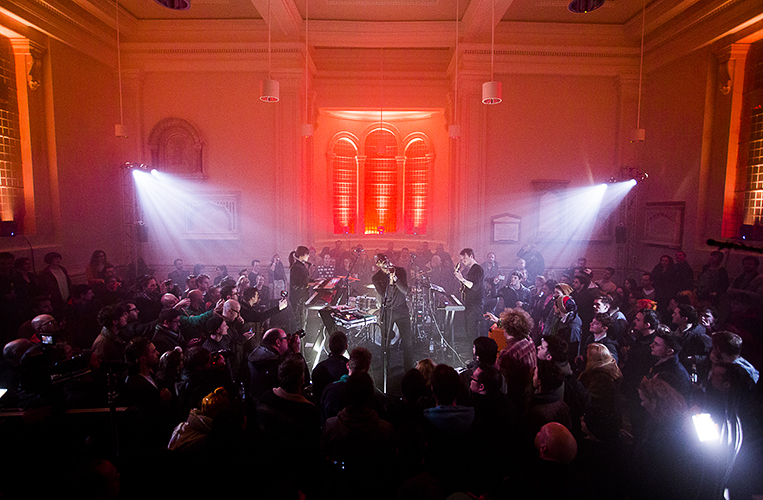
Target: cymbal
pixel 371 287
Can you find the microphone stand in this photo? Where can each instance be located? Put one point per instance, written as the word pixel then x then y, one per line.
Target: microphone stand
pixel 385 331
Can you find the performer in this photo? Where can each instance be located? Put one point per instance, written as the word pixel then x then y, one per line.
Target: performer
pixel 299 283
pixel 395 308
pixel 471 292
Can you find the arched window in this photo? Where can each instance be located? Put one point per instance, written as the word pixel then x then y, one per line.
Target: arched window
pixel 381 183
pixel 417 163
pixel 11 176
pixel 345 181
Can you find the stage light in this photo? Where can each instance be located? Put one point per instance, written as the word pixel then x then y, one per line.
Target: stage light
pixel 707 430
pixel 154 172
pixel 602 187
pixel 632 182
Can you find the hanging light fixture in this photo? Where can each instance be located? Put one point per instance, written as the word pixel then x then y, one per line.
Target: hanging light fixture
pixel 307 127
pixel 491 91
pixel 454 131
pixel 584 6
pixel 119 128
pixel 175 4
pixel 639 135
pixel 269 88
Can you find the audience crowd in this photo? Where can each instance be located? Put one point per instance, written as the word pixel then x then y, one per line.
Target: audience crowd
pixel 196 385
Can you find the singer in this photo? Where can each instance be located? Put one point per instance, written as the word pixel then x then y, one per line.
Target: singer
pixel 471 292
pixel 299 282
pixel 392 285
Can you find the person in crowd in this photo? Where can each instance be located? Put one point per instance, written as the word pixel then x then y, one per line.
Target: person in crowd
pixel 441 275
pixel 332 368
pixel 567 324
pixel 178 275
pixel 713 281
pixel 264 361
pixel 517 325
pixel 325 269
pixel 55 281
pixel 708 318
pixel 190 437
pixel 491 267
pixel 639 360
pixel 550 474
pixel 600 325
pixel 299 283
pixel 601 378
pixel 449 432
pixel 584 297
pixel 665 348
pixel 252 313
pixel 108 346
pixel 359 440
pixel 647 287
pixel 746 291
pixel 545 405
pixel 515 294
pixel 167 334
pixel 334 397
pixel 605 284
pixel 664 279
pixel 94 272
pixel 534 263
pixel 154 423
pixel 609 305
pixel 684 272
pixel 221 272
pixel 290 425
pixel 667 460
pixel 146 295
pixel 572 392
pixel 276 276
pixel 471 292
pixel 168 372
pixel 727 348
pixel 29 285
pixel 201 374
pixel 695 343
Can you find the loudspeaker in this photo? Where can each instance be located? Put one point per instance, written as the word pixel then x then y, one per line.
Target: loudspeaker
pixel 142 233
pixel 8 228
pixel 620 233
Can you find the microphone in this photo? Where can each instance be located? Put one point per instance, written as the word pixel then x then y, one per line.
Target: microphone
pixel 458 266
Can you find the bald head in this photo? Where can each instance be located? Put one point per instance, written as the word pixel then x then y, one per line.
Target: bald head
pixel 169 301
pixel 44 323
pixel 15 349
pixel 231 310
pixel 555 443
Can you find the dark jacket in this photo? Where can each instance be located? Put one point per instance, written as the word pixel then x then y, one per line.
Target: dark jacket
pixel 674 373
pixel 263 371
pixel 328 371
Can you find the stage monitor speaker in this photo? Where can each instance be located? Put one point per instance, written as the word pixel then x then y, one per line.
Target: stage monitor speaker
pixel 142 230
pixel 9 228
pixel 620 233
pixel 750 232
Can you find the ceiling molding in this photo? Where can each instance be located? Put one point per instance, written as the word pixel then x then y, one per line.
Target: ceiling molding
pixel 477 20
pixel 284 13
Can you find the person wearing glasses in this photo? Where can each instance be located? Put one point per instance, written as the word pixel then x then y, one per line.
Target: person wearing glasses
pixel 263 361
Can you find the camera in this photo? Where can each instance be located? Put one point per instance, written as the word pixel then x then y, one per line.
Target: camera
pixel 299 333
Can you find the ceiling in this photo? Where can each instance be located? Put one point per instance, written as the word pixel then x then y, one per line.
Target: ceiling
pixel 537 11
